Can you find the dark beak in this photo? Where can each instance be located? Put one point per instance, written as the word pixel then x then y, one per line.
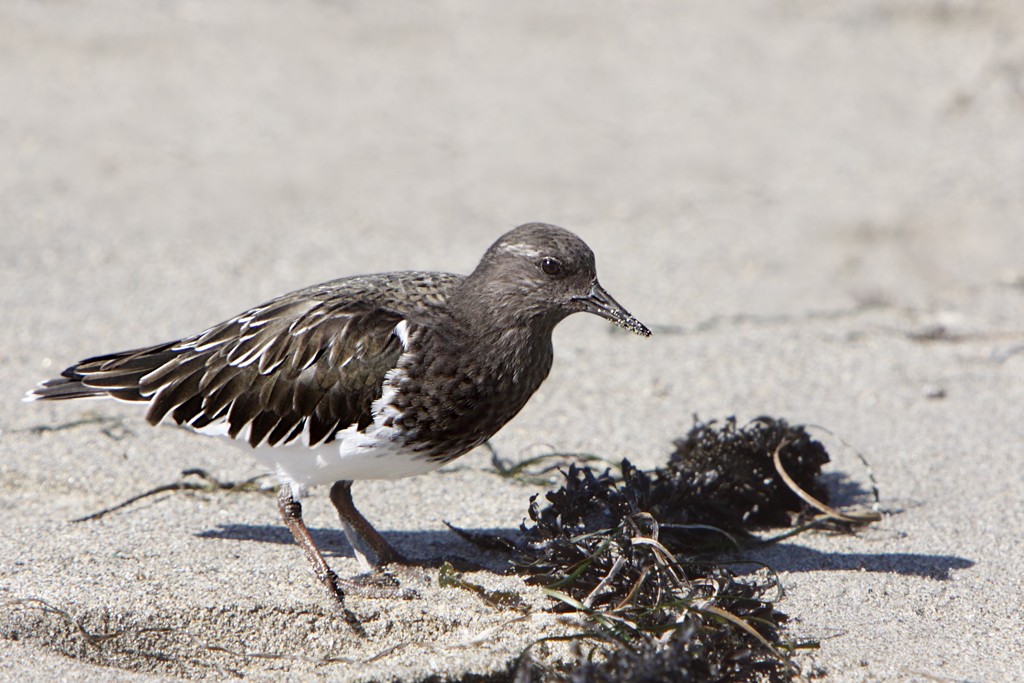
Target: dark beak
pixel 600 302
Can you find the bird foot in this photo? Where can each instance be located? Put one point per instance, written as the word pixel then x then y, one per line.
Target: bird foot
pixel 383 584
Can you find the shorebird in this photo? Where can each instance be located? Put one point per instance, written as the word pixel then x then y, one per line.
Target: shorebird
pixel 367 377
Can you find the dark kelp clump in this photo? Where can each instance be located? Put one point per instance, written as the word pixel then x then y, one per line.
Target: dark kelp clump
pixel 729 476
pixel 695 652
pixel 632 554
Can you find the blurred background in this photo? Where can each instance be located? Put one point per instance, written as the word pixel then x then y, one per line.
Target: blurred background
pixel 742 157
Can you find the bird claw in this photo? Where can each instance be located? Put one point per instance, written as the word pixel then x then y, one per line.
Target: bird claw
pixel 378 584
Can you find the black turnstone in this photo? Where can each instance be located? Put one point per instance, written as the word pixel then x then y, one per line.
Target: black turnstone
pixel 367 377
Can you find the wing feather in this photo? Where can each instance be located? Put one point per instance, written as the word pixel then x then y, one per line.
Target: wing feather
pixel 304 365
pixel 304 368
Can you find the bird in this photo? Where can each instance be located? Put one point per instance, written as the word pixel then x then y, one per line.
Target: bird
pixel 378 376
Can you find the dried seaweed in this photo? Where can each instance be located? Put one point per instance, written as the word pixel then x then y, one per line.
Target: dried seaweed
pixel 696 652
pixel 449 578
pixel 727 478
pixel 631 554
pixel 207 482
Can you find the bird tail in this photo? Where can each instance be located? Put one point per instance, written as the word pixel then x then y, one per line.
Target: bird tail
pixel 115 375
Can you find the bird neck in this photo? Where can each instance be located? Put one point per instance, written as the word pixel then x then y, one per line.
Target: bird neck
pixel 500 331
pixel 495 316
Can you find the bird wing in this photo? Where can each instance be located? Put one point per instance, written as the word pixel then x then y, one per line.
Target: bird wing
pixel 296 367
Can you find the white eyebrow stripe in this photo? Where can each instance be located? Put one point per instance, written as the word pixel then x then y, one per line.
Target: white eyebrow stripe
pixel 522 250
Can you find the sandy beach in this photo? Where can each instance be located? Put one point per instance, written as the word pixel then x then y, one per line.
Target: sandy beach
pixel 818 209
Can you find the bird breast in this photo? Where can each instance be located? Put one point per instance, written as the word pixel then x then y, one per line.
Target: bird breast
pixel 450 401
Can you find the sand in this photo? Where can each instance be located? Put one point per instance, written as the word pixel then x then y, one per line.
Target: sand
pixel 818 208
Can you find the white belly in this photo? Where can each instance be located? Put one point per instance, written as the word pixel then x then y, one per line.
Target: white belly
pixel 353 455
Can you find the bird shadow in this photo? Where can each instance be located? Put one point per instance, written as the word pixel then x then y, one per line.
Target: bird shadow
pixel 422 548
pixel 433 548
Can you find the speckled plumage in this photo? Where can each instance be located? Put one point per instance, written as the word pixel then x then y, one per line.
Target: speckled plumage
pixel 372 376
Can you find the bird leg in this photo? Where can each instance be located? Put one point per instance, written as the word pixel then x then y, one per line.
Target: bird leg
pixel 364 585
pixel 370 547
pixel 291 513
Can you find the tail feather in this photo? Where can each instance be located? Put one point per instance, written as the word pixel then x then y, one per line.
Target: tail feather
pixel 62 388
pixel 115 375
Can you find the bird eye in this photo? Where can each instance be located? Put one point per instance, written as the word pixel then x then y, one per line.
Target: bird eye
pixel 551 266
